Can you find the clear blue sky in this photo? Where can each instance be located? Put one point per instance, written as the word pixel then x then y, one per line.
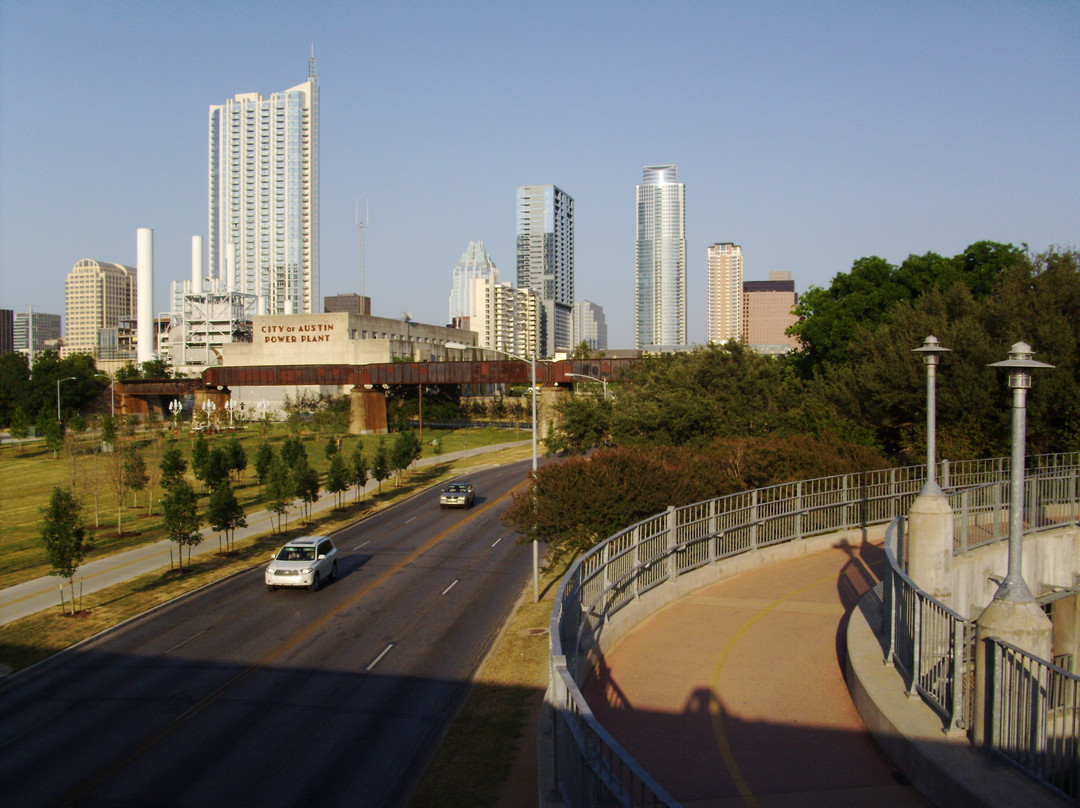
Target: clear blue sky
pixel 812 134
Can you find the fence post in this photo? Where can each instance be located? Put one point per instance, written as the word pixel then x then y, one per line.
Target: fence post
pixel 798 510
pixel 916 642
pixel 672 541
pixel 944 476
pixel 754 519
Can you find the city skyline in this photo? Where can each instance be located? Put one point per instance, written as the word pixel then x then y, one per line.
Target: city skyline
pixel 815 137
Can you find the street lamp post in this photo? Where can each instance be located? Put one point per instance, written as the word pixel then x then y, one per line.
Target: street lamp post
pixel 58 381
pixel 209 407
pixel 591 378
pixel 930 350
pixel 1020 365
pixel 232 407
pixel 175 407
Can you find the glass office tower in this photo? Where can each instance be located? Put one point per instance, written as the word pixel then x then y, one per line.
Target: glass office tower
pixel 545 259
pixel 660 254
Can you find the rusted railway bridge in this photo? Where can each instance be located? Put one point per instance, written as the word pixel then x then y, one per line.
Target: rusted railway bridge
pixel 368 382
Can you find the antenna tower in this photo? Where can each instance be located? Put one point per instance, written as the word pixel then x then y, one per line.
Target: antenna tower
pixel 361 226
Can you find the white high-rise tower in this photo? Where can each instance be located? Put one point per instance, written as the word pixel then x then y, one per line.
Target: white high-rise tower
pixel 264 197
pixel 660 253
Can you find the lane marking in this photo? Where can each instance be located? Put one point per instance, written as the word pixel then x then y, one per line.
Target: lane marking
pixel 410 520
pixel 109 770
pixel 727 754
pixel 497 541
pixel 452 585
pixel 377 659
pixel 185 642
pixel 362 544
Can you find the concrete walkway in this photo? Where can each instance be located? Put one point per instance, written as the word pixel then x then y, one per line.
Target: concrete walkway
pixel 44 593
pixel 735 695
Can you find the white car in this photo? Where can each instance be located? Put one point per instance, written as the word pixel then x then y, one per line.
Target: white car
pixel 307 561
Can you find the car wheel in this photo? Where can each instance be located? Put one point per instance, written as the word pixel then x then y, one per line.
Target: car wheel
pixel 333 571
pixel 315 583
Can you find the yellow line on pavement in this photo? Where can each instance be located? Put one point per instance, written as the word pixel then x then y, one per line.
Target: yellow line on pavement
pixel 716 716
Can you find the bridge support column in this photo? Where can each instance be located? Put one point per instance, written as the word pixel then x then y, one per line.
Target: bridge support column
pixel 367 412
pixel 930 545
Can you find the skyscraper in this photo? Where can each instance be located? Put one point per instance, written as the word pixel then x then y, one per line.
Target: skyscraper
pixel 660 255
pixel 590 325
pixel 475 263
pixel 545 259
pixel 264 197
pixel 767 314
pixel 97 296
pixel 724 285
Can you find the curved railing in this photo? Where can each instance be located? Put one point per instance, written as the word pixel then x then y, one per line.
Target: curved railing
pixel 590 767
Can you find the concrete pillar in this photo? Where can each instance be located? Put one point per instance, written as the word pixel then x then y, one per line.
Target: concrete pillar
pixel 930 545
pixel 545 409
pixel 367 412
pixel 1019 622
pixel 1067 630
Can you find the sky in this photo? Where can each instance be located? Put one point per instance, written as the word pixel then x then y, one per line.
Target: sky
pixel 810 133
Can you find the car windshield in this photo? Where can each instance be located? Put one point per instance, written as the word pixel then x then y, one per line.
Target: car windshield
pixel 297 554
pixel 455 489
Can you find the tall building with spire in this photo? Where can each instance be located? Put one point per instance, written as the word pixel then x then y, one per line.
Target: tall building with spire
pixel 475 263
pixel 545 259
pixel 264 197
pixel 660 255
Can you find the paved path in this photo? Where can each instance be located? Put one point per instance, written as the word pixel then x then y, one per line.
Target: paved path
pixel 45 593
pixel 735 695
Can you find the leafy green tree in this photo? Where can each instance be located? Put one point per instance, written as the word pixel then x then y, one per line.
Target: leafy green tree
pixel 135 476
pixel 237 457
pixel 181 518
pixel 331 448
pixel 19 425
pixel 51 430
pixel 405 451
pixel 65 537
pixel 173 466
pixel 200 456
pixel 216 468
pixel 277 493
pixel 337 477
pixel 128 372
pixel 380 467
pixel 358 469
pixel 293 451
pixel 224 513
pixel 264 456
pixel 14 386
pixel 304 481
pixel 156 369
pixel 584 422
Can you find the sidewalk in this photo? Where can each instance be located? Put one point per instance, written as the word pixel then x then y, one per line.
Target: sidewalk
pixel 44 593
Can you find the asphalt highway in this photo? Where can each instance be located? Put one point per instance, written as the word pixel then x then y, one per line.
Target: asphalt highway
pixel 239 696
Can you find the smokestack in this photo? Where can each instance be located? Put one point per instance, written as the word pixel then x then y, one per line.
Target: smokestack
pixel 144 280
pixel 196 265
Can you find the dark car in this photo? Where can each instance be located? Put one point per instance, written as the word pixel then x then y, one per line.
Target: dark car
pixel 457 495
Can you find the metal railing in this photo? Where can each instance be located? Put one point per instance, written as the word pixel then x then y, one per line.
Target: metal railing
pixel 591 768
pixel 1034 716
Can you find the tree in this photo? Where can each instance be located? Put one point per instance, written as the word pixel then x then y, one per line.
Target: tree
pixel 406 450
pixel 380 468
pixel 14 386
pixel 276 492
pixel 292 451
pixel 19 426
pixel 224 514
pixel 304 481
pixel 116 472
pixel 264 456
pixel 200 456
pixel 156 369
pixel 135 477
pixel 65 537
pixel 216 468
pixel 94 474
pixel 358 469
pixel 331 447
pixel 337 477
pixel 181 518
pixel 109 429
pixel 51 430
pixel 237 457
pixel 173 466
pixel 153 470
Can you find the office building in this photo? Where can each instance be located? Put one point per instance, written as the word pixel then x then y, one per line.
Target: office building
pixel 475 264
pixel 589 326
pixel 7 331
pixel 33 331
pixel 767 314
pixel 349 302
pixel 264 197
pixel 97 296
pixel 660 261
pixel 545 259
pixel 504 318
pixel 724 289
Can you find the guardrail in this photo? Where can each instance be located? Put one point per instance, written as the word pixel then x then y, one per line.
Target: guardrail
pixel 591 768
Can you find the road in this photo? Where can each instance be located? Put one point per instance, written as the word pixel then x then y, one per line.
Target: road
pixel 239 696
